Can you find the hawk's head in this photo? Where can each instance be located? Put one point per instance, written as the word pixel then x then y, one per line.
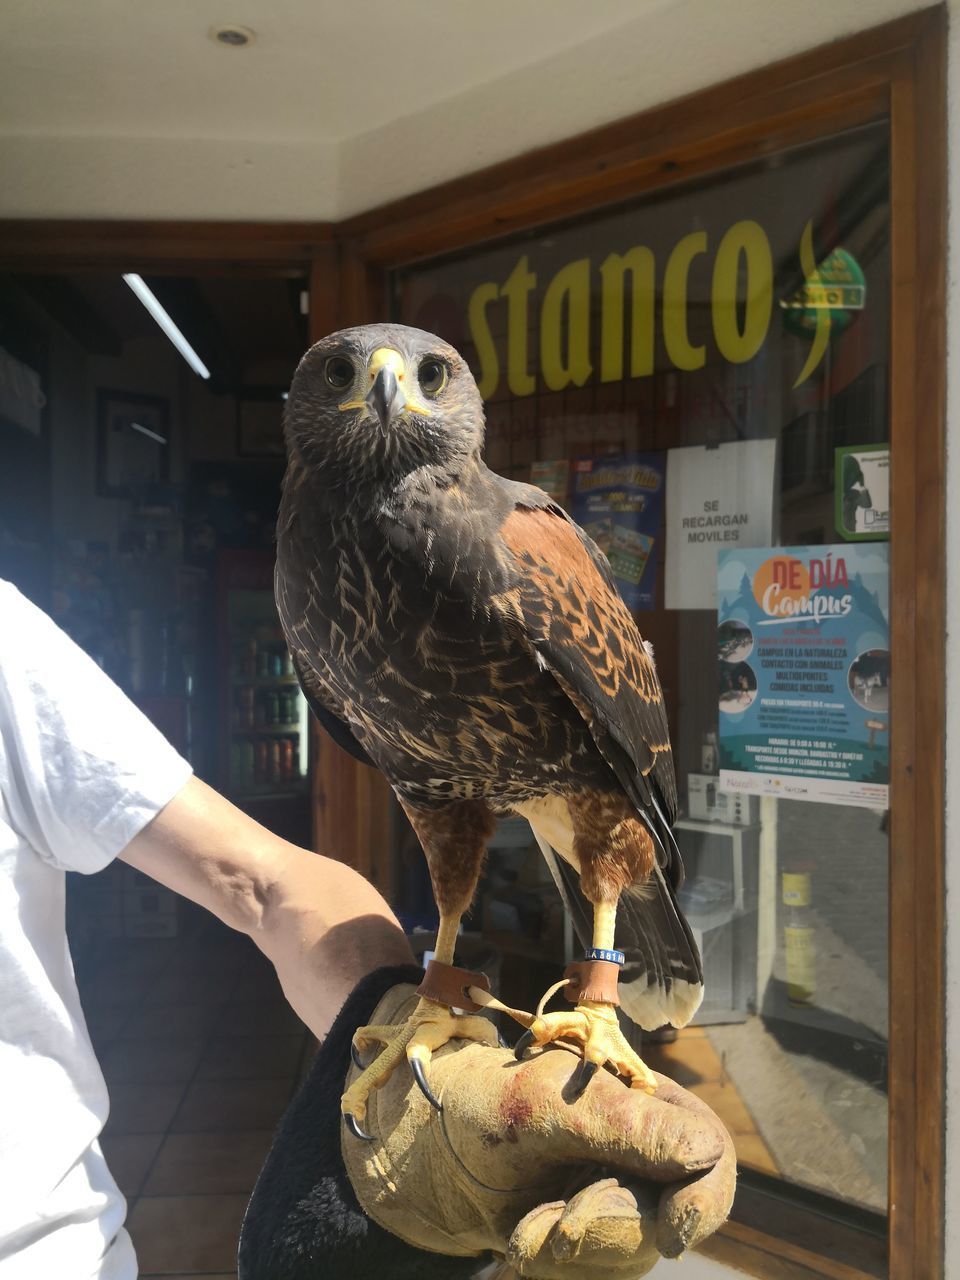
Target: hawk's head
pixel 373 403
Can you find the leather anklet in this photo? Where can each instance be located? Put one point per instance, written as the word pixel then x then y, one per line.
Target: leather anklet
pixel 448 985
pixel 592 980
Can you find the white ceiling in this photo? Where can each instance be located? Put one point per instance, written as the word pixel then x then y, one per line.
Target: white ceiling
pixel 317 70
pixel 127 108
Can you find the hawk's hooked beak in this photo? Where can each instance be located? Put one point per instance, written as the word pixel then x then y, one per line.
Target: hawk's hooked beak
pixel 390 393
pixel 386 398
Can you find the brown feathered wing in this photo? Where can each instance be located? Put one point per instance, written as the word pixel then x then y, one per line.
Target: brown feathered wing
pixel 581 630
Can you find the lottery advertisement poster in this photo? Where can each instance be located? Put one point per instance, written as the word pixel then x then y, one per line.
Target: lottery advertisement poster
pixel 803 650
pixel 618 500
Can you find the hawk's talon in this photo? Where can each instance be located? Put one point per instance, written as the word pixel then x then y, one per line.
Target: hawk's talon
pixel 420 1075
pixel 352 1124
pixel 429 1028
pixel 522 1045
pixel 593 1028
pixel 581 1078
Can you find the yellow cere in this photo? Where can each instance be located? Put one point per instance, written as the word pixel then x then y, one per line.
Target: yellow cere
pixel 382 358
pixel 390 358
pixel 387 358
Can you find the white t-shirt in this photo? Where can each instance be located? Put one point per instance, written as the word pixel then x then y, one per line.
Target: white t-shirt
pixel 82 771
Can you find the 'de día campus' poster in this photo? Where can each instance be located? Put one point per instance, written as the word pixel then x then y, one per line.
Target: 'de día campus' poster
pixel 618 500
pixel 803 645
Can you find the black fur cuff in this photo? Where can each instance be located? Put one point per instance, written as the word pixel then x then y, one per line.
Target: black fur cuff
pixel 304 1221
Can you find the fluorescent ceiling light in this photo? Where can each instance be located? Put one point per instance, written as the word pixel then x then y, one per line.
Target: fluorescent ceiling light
pixel 163 319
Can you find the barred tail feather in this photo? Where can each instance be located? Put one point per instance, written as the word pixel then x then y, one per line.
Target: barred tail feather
pixel 662 980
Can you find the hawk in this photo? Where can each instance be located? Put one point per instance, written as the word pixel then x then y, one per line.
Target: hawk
pixel 460 632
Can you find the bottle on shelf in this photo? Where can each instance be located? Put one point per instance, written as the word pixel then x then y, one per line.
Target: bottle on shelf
pixel 262 763
pixel 246 764
pixel 286 759
pixel 247 714
pixel 799 937
pixel 248 666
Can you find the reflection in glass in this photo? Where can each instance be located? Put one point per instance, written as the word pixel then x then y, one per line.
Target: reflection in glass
pixel 746 308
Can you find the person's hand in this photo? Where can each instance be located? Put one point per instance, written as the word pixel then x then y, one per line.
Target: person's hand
pixel 596 1189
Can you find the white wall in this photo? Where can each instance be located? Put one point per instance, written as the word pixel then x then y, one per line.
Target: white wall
pixel 110 177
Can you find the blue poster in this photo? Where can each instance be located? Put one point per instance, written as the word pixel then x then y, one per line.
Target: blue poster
pixel 803 649
pixel 618 500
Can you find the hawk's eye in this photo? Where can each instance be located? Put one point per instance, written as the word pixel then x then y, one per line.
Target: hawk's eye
pixel 433 375
pixel 338 372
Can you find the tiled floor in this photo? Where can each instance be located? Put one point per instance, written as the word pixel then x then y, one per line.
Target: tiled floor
pixel 201 1054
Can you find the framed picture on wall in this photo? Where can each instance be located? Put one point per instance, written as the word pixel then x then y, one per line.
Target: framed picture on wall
pixel 133 442
pixel 260 423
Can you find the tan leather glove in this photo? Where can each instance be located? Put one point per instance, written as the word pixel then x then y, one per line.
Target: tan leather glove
pixel 596 1189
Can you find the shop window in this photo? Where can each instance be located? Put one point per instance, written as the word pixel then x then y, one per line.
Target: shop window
pixel 700 377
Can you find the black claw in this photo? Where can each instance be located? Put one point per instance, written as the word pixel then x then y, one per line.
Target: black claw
pixel 523 1044
pixel 582 1077
pixel 353 1125
pixel 416 1066
pixel 355 1055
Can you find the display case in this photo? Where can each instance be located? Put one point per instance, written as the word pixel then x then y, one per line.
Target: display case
pixel 263 751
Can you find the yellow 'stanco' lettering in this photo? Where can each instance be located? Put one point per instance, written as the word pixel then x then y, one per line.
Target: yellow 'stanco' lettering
pixel 516 290
pixel 572 285
pixel 480 299
pixel 736 345
pixel 675 336
pixel 639 262
pixel 741 304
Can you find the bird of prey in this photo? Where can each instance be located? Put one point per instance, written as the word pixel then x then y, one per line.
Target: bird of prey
pixel 460 632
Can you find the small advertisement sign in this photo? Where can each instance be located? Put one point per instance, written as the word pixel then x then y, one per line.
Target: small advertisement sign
pixel 618 500
pixel 721 497
pixel 803 648
pixel 863 492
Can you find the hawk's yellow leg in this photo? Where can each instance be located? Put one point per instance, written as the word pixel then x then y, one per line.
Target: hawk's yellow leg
pixel 593 1025
pixel 427 1029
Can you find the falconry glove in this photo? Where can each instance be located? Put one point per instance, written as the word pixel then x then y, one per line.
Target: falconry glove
pixel 511 1169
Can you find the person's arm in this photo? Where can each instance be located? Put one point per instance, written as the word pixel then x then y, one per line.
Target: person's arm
pixel 88 778
pixel 322 924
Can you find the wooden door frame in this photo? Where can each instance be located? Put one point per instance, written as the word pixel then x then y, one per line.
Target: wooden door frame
pixel 898 72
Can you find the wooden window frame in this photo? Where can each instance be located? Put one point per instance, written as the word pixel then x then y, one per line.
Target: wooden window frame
pixel 895 72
